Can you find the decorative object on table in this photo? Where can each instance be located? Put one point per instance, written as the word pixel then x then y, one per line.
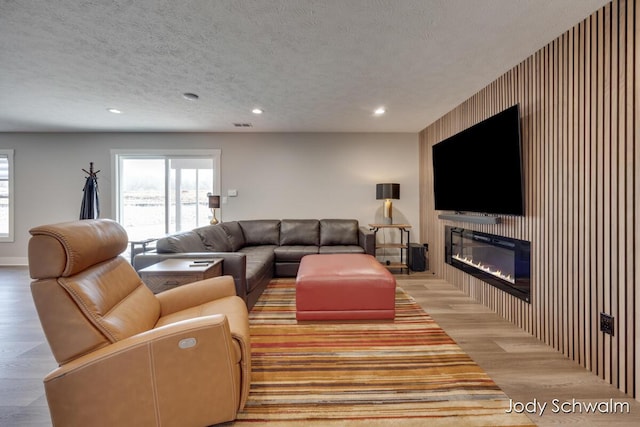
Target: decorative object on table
pixel 386 192
pixel 90 207
pixel 214 203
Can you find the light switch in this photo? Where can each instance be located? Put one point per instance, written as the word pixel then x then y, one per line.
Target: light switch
pixel 232 193
pixel 224 200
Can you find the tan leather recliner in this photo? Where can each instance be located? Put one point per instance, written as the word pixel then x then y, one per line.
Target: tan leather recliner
pixel 128 357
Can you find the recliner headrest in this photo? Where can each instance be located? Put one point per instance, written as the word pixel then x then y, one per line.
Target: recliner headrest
pixel 67 248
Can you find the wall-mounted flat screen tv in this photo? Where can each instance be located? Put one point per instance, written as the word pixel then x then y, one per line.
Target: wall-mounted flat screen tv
pixel 480 169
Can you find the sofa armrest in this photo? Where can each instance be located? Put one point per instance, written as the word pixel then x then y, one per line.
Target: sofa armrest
pixel 367 240
pixel 234 264
pixel 155 377
pixel 196 293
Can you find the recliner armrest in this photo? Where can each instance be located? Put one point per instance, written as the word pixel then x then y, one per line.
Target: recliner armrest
pixel 196 293
pixel 172 373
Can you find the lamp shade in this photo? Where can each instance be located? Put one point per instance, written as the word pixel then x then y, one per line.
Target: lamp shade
pixel 214 201
pixel 387 191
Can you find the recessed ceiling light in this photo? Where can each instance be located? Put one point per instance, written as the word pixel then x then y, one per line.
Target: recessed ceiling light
pixel 379 111
pixel 190 96
pixel 114 110
pixel 257 111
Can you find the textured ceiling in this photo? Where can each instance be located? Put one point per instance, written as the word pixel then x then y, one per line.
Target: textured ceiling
pixel 312 65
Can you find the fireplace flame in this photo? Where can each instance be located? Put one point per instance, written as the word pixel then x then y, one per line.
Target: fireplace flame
pixel 486 269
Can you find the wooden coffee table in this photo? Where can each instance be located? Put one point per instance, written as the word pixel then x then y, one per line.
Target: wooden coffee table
pixel 174 272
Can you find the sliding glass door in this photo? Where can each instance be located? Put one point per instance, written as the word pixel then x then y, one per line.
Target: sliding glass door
pixel 164 193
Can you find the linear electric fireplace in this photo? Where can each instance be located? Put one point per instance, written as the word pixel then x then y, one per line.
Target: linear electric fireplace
pixel 500 261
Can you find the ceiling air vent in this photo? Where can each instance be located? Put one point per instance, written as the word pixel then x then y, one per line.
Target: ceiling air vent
pixel 243 125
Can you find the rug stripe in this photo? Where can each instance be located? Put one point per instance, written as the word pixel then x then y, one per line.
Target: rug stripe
pixel 405 372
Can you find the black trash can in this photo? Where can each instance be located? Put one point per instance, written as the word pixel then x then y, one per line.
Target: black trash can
pixel 418 260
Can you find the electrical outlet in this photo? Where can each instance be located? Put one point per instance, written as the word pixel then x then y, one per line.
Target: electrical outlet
pixel 606 324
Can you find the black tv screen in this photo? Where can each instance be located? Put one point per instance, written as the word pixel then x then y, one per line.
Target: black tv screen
pixel 480 169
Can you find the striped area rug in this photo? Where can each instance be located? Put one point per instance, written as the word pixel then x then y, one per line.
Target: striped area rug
pixel 406 372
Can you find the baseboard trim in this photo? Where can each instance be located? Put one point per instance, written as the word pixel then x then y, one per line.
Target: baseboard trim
pixel 13 261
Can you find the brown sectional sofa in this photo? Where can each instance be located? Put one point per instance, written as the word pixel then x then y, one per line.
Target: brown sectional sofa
pixel 255 251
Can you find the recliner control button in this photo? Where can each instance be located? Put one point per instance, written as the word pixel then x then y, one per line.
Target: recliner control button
pixel 187 343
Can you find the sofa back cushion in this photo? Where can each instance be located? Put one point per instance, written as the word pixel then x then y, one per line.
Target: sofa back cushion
pixel 260 232
pixel 214 238
pixel 187 241
pixel 234 235
pixel 304 232
pixel 338 232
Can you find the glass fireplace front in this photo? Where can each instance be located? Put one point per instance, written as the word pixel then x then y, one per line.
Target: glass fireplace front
pixel 500 261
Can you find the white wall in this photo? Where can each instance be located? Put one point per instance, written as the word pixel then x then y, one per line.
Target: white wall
pixel 277 175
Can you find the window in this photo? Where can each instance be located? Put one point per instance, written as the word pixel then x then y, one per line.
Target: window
pixel 160 193
pixel 6 195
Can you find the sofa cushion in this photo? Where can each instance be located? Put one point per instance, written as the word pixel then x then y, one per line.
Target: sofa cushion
pixel 187 241
pixel 234 234
pixel 341 249
pixel 260 232
pixel 214 238
pixel 260 260
pixel 338 232
pixel 294 253
pixel 299 232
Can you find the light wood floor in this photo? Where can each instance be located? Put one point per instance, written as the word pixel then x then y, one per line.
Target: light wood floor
pixel 523 367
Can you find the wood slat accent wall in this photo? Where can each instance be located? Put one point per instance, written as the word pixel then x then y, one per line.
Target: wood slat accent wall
pixel 579 101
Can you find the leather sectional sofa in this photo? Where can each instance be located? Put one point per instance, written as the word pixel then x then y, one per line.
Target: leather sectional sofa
pixel 255 251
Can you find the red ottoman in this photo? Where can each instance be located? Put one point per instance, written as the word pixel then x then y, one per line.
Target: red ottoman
pixel 344 287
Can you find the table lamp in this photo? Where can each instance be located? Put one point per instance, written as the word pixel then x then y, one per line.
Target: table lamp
pixel 214 203
pixel 386 192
